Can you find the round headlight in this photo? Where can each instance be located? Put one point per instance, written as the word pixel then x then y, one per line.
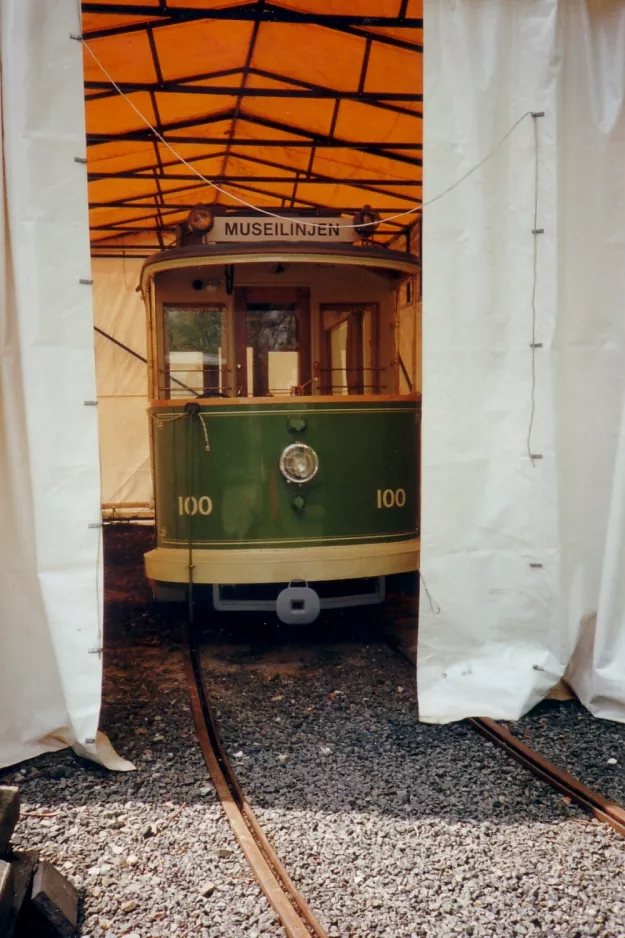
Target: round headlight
pixel 299 463
pixel 200 219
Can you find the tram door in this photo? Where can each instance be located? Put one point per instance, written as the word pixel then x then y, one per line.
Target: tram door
pixel 272 338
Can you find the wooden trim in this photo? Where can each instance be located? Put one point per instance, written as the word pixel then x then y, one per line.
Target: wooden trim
pixel 240 344
pixel 293 400
pixel 107 506
pixel 277 256
pixel 325 348
pixel 304 338
pixel 356 381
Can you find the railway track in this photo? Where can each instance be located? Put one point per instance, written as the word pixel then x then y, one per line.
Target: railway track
pixel 296 916
pixel 606 811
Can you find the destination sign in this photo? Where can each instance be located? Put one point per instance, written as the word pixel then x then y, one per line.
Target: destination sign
pixel 326 230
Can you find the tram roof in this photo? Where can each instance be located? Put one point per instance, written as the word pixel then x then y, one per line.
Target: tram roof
pixel 296 106
pixel 385 260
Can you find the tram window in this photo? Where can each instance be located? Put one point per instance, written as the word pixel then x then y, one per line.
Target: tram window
pixel 349 350
pixel 273 352
pixel 195 343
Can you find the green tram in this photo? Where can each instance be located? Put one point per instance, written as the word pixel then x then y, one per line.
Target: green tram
pixel 282 366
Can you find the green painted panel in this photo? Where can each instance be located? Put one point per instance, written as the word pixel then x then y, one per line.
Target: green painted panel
pixel 232 494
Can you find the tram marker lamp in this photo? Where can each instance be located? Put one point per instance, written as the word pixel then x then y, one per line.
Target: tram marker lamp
pixel 299 463
pixel 366 222
pixel 200 219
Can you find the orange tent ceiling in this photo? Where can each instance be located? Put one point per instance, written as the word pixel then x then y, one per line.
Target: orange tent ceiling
pixel 309 105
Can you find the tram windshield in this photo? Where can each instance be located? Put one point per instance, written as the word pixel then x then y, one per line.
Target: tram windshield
pixel 272 349
pixel 272 329
pixel 322 330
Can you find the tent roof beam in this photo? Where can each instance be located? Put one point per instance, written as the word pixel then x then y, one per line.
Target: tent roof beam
pixel 149 174
pixel 383 150
pixel 157 17
pixel 269 12
pixel 311 92
pixel 302 89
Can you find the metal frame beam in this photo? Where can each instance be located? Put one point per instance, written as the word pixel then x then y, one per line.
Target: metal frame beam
pixel 183 86
pixel 247 158
pixel 129 87
pixel 271 13
pixel 187 206
pixel 158 18
pixel 303 89
pixel 239 102
pixel 382 150
pixel 375 148
pixel 310 175
pixel 152 200
pixel 377 186
pixel 317 180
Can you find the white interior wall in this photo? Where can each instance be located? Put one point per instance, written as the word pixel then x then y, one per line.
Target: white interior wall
pixel 122 382
pixel 518 553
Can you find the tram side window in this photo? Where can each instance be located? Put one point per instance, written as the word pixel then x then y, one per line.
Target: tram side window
pixel 349 346
pixel 195 345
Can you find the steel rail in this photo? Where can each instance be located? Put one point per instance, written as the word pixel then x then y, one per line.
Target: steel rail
pixel 606 811
pixel 609 812
pixel 296 916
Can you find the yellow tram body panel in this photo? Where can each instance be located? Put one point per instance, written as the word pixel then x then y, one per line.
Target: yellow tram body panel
pixel 280 565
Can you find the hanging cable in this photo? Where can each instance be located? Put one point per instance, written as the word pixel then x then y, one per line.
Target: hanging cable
pixel 202 418
pixel 435 609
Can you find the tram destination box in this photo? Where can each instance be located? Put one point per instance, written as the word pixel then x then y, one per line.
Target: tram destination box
pixel 254 229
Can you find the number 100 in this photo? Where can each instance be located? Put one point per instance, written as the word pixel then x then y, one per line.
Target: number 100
pixel 389 498
pixel 192 505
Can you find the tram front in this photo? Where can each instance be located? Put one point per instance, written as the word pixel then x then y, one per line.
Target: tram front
pixel 285 413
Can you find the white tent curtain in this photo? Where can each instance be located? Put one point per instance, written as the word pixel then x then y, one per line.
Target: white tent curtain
pixel 523 557
pixel 50 570
pixel 122 382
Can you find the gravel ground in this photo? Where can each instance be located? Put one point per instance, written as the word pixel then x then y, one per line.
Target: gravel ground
pixel 590 749
pixel 150 851
pixel 394 829
pixel 142 847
